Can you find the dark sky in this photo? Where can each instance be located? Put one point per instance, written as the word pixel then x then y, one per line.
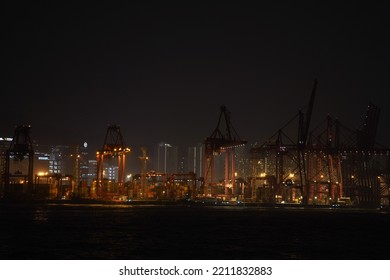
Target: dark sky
pixel 162 71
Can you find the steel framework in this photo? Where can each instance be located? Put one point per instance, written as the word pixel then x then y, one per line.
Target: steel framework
pixel 221 142
pixel 21 147
pixel 331 165
pixel 113 147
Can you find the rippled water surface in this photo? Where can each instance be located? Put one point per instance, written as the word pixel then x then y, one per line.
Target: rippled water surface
pixel 180 232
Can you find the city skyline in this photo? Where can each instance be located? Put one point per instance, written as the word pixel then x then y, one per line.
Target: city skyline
pixel 164 158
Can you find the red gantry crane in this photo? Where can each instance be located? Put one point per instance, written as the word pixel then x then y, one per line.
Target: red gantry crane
pixel 113 147
pixel 217 143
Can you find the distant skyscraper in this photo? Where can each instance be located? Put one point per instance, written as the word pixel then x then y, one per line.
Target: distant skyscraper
pixel 111 173
pixel 243 162
pixel 182 167
pixel 4 145
pixel 166 158
pixel 53 159
pixel 60 160
pixel 195 159
pixel 92 171
pixel 82 152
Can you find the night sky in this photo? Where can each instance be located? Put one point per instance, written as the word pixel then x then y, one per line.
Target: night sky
pixel 162 71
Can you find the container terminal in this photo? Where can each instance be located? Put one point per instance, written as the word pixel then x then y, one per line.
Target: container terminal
pixel 329 165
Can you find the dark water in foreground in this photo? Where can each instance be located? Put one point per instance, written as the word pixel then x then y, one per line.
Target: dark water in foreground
pixel 178 232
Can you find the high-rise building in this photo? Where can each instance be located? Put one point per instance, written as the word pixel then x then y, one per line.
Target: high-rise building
pixel 83 164
pixel 62 160
pixel 243 162
pixel 182 165
pixel 56 161
pixel 195 159
pixel 166 158
pixel 111 173
pixel 4 145
pixel 92 171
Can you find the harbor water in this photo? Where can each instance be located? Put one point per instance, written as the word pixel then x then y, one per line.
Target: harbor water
pixel 98 231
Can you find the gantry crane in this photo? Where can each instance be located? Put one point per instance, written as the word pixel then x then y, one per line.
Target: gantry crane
pixel 348 164
pixel 221 142
pixel 303 132
pixel 334 164
pixel 113 147
pixel 21 147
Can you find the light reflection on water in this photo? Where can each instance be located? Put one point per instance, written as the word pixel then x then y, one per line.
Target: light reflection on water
pixel 92 205
pixel 40 215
